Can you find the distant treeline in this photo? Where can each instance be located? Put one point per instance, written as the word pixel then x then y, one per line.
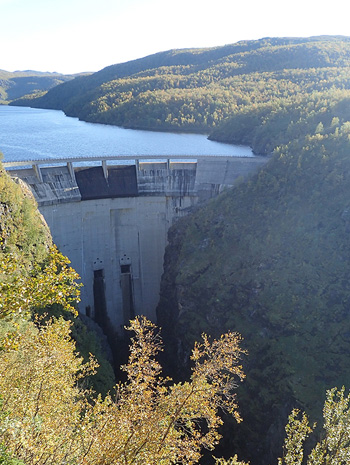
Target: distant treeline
pixel 28 84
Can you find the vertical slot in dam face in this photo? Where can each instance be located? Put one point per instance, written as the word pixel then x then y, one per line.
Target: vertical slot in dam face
pixel 99 292
pixel 126 285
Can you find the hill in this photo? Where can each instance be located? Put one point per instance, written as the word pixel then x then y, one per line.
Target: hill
pixel 198 89
pixel 15 85
pixel 270 259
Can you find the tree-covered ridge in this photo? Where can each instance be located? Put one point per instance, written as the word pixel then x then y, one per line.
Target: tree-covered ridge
pixel 17 84
pixel 270 259
pixel 279 120
pixel 197 90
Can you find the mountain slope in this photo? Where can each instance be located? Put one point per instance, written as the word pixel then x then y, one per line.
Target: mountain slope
pixel 196 90
pixel 271 260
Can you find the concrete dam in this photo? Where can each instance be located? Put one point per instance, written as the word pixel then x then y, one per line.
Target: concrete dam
pixel 111 220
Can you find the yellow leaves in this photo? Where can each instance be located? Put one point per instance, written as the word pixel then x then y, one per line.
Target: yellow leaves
pixel 142 368
pixel 149 420
pixel 232 461
pixel 297 431
pixel 54 283
pixel 218 364
pixel 41 400
pixel 334 447
pixel 156 422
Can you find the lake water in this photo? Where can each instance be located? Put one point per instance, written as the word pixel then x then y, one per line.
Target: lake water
pixel 32 134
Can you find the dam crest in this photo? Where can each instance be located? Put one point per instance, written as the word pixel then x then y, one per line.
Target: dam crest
pixel 111 218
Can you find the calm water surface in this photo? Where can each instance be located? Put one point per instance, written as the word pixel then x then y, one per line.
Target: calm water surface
pixel 32 134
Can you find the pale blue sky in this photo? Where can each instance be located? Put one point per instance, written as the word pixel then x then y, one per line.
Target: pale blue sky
pixel 70 36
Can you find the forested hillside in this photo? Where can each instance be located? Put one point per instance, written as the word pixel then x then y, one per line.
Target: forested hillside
pixel 197 90
pixel 271 260
pixel 17 84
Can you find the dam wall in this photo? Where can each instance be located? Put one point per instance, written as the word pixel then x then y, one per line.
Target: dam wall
pixel 111 221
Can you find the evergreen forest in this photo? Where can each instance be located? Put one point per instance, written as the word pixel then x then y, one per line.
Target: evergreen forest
pixel 254 306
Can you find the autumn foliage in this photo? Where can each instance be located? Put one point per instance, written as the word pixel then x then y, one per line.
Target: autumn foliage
pixel 48 417
pixel 154 421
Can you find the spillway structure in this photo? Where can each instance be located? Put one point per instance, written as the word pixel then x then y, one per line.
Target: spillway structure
pixel 110 216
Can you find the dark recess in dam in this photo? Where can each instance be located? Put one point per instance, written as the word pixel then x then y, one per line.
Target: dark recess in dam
pixel 100 298
pixel 93 184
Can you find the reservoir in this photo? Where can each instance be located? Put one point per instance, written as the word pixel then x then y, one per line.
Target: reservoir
pixel 34 134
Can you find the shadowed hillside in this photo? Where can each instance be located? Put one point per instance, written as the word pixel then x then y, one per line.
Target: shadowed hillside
pixel 270 259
